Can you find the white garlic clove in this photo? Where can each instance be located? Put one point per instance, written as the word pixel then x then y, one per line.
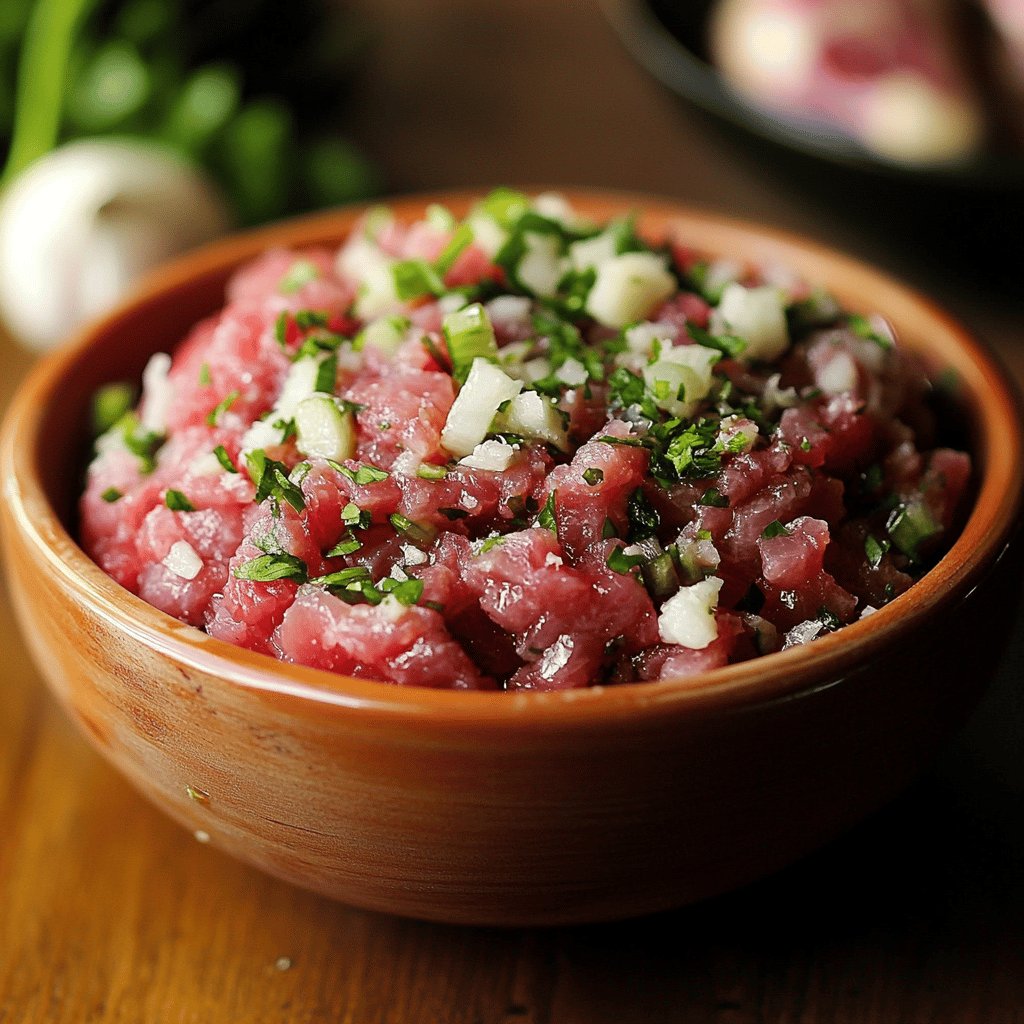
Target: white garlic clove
pixel 81 225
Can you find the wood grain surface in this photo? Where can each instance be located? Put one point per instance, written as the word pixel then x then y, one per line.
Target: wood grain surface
pixel 110 913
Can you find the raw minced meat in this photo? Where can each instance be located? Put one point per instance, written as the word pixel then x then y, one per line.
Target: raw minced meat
pixel 521 451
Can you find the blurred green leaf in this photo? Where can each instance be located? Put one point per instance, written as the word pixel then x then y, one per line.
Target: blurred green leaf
pixel 254 156
pixel 145 22
pixel 112 87
pixel 49 37
pixel 335 172
pixel 203 106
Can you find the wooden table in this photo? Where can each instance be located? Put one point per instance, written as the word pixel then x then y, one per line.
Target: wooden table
pixel 109 913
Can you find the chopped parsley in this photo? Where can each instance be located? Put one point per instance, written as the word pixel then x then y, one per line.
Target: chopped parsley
pixel 326 374
pixel 643 518
pixel 592 476
pixel 142 443
pixel 356 518
pixel 177 502
pixel 416 278
pixel 714 498
pixel 406 592
pixel 213 417
pixel 861 326
pixel 267 568
pixel 204 375
pixel 111 494
pixel 415 532
pixel 347 545
pixel 224 459
pixel 110 403
pixel 271 480
pixel 775 529
pixel 875 550
pixel 618 561
pixel 343 577
pixel 365 474
pixel 547 518
pixel 307 319
pixel 727 344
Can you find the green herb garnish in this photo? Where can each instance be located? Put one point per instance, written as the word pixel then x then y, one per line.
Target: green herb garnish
pixel 177 502
pixel 213 417
pixel 714 498
pixel 224 459
pixel 347 545
pixel 355 518
pixel 415 278
pixel 299 274
pixel 109 405
pixel 267 568
pixel 618 561
pixel 875 550
pixel 643 519
pixel 547 518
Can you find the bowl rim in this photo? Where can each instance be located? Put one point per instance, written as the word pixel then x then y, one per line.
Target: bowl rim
pixel 784 675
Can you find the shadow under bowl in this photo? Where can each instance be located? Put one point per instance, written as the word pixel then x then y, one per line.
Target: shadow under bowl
pixel 500 808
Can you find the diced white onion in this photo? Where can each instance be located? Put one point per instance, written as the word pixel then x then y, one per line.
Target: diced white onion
pixel 555 206
pixel 756 315
pixel 572 372
pixel 509 309
pixel 688 617
pixel 689 366
pixel 541 267
pixel 157 392
pixel 492 455
pixel 803 633
pixel 376 295
pixel 451 303
pixel 534 416
pixel 838 376
pixel 183 561
pixel 262 434
pixel 412 555
pixel 628 288
pixel 488 234
pixel 206 464
pixel 299 384
pixel 386 334
pixel 592 252
pixel 640 338
pixel 476 405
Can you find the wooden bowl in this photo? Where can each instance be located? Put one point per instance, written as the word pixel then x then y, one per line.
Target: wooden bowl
pixel 495 808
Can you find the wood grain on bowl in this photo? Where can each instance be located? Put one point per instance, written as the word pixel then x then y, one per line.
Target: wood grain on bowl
pixel 489 807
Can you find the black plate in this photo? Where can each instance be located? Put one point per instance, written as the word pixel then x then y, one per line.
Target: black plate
pixel 669 37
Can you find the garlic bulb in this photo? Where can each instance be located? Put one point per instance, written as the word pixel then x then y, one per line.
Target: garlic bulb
pixel 81 225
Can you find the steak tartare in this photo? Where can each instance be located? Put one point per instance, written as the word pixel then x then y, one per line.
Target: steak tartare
pixel 521 451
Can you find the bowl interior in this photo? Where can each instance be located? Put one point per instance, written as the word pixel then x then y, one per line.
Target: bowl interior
pixel 47 442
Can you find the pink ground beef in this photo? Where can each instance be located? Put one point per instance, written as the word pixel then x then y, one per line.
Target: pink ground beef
pixel 810 484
